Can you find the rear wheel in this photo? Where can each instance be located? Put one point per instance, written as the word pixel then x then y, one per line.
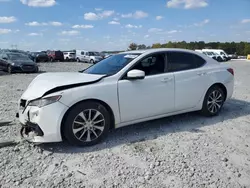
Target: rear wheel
pixel 86 124
pixel 77 59
pixel 92 61
pixel 213 101
pixel 219 59
pixel 51 59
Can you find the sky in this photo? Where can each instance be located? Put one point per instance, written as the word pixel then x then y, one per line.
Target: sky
pixel 36 25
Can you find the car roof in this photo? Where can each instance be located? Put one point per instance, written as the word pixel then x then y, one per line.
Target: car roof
pixel 159 50
pixel 149 51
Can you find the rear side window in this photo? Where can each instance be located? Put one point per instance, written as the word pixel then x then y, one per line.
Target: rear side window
pixel 199 61
pixel 179 61
pixel 82 53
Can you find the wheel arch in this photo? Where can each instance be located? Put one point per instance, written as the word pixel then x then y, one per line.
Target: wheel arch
pixel 89 100
pixel 222 86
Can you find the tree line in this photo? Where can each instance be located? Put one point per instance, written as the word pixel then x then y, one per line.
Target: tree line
pixel 239 48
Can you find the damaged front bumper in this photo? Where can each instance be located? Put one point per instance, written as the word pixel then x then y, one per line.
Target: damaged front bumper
pixel 30 130
pixel 42 125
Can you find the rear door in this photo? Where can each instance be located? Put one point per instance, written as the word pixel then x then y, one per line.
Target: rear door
pixel 191 79
pixel 87 57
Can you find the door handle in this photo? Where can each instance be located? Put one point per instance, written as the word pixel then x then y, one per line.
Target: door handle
pixel 166 79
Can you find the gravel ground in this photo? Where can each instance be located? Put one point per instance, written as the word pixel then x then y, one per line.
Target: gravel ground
pixel 182 151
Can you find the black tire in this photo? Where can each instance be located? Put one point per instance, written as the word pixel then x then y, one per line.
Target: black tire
pixel 219 59
pixel 67 59
pixel 36 70
pixel 78 60
pixel 92 61
pixel 210 101
pixel 51 59
pixel 73 115
pixel 9 69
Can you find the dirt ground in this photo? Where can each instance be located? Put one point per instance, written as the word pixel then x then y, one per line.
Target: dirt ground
pixel 187 150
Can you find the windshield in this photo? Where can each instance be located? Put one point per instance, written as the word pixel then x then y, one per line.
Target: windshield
pixel 111 65
pixel 18 57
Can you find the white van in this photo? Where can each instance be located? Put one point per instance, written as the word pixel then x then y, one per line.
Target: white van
pixel 218 56
pixel 222 53
pixel 210 54
pixel 88 56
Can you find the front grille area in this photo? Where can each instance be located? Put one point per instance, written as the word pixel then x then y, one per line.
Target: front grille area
pixel 28 67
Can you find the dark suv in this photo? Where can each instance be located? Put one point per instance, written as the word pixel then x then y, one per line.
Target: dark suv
pixel 39 57
pixel 55 56
pixel 17 62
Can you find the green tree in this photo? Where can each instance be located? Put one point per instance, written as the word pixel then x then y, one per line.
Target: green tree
pixel 141 46
pixel 132 46
pixel 247 49
pixel 157 45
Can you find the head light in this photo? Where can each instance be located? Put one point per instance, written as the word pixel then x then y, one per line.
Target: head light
pixel 44 101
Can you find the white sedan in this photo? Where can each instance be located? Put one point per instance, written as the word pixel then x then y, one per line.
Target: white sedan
pixel 126 88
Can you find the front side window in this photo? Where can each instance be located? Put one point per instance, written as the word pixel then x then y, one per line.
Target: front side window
pixel 179 61
pixel 82 53
pixel 111 65
pixel 151 65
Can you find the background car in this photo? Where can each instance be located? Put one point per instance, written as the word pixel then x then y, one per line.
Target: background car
pixel 17 62
pixel 69 56
pixel 56 56
pixel 94 57
pixel 88 56
pixel 39 57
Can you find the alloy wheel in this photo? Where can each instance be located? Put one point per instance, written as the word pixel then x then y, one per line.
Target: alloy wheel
pixel 215 101
pixel 88 125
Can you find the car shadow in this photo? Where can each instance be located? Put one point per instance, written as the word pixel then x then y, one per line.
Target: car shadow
pixel 2 73
pixel 188 122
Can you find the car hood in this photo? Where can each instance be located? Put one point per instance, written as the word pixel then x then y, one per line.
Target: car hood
pixel 47 83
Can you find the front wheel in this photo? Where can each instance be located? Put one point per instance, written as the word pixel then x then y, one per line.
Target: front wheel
pixel 86 124
pixel 92 61
pixel 36 70
pixel 213 101
pixel 9 69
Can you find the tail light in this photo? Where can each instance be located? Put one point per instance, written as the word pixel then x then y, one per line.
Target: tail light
pixel 231 71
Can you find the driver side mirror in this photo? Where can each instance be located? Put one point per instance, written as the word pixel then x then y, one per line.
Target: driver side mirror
pixel 135 74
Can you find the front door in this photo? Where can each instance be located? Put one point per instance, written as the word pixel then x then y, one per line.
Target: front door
pixel 151 96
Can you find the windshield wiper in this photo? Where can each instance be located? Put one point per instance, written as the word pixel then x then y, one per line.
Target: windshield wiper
pixel 81 71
